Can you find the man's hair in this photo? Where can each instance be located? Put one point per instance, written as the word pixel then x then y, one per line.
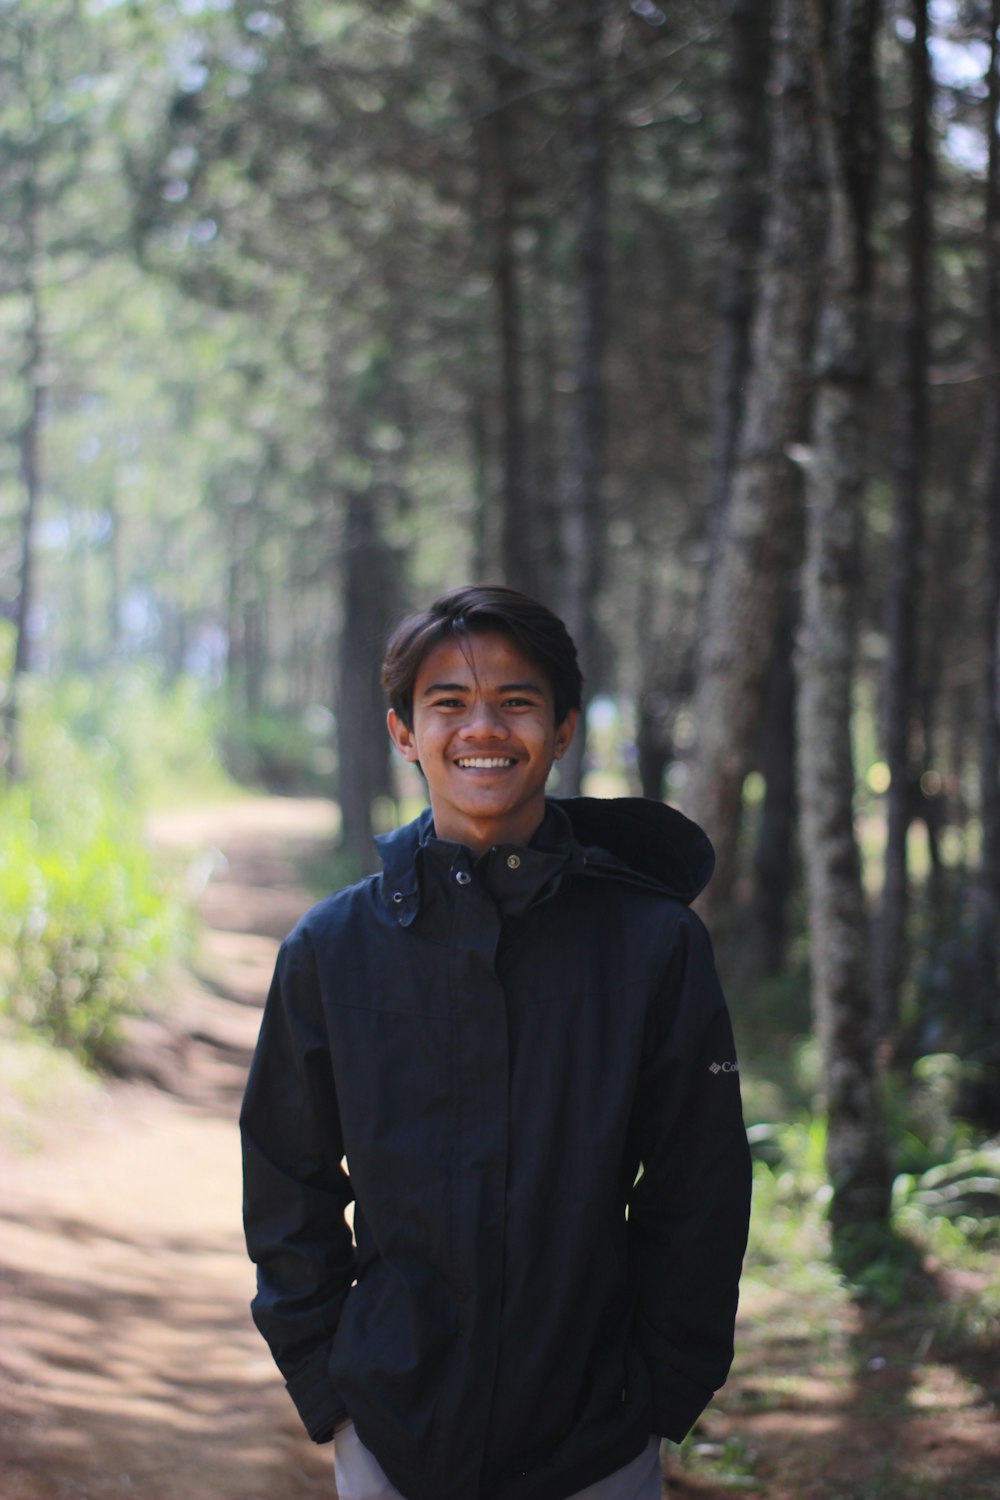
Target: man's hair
pixel 475 609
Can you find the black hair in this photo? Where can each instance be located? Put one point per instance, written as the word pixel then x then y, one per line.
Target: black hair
pixel 477 608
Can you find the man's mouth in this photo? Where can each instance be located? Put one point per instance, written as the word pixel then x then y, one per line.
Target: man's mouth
pixel 485 762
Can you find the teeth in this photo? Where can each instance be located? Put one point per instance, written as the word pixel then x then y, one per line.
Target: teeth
pixel 485 762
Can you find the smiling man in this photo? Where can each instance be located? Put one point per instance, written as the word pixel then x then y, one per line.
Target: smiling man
pixel 511 1052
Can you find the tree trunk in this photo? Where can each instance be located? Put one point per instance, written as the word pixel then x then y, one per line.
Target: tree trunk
pixel 754 551
pixel 988 885
pixel 363 745
pixel 479 446
pixel 582 521
pixel 898 689
pixel 30 467
pixel 235 652
pixel 766 922
pixel 499 179
pixel 843 1002
pixel 744 155
pixel 254 647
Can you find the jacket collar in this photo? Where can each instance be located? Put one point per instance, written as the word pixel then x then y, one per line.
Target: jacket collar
pixel 630 839
pixel 415 863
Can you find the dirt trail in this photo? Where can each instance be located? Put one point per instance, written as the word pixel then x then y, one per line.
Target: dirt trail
pixel 128 1362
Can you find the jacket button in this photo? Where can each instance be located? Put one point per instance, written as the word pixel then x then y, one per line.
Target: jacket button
pixel 513 861
pixel 463 877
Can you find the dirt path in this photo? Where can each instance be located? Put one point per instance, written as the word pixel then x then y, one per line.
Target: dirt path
pixel 128 1363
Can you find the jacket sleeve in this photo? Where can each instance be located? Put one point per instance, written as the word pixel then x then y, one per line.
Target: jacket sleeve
pixel 295 1189
pixel 690 1208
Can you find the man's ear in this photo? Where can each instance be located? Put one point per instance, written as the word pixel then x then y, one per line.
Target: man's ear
pixel 564 734
pixel 401 736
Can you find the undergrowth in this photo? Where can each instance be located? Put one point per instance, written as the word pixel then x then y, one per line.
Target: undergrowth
pixel 87 915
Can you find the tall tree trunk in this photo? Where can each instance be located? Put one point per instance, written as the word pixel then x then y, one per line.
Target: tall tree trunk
pixel 254 646
pixel 898 689
pixel 747 41
pixel 843 1001
pixel 754 551
pixel 479 446
pixel 582 523
pixel 765 925
pixel 988 885
pixel 235 645
pixel 30 467
pixel 500 193
pixel 547 427
pixel 367 587
pixel 744 157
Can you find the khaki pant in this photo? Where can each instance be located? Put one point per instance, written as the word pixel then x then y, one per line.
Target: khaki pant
pixel 359 1475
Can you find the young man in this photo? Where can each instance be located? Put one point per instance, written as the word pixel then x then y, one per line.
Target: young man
pixel 514 1042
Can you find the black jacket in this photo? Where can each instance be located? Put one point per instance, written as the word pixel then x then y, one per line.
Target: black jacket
pixel 527 1062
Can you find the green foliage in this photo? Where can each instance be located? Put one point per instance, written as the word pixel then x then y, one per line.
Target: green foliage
pixel 880 1264
pixel 958 1185
pixel 790 1197
pixel 965 1191
pixel 726 1464
pixel 287 753
pixel 923 1112
pixel 86 917
pixel 155 741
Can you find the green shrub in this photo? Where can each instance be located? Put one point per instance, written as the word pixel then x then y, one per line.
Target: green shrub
pixel 86 918
pixel 964 1191
pixel 158 741
pixel 287 753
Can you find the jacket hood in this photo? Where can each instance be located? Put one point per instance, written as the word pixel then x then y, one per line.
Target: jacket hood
pixel 631 838
pixel 650 839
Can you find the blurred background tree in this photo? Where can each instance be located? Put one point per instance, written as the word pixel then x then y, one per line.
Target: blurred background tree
pixel 682 316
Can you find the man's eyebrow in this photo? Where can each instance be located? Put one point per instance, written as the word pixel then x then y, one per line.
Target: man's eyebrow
pixel 444 687
pixel 465 687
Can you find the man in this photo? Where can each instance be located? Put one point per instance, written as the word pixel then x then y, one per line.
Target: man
pixel 511 1051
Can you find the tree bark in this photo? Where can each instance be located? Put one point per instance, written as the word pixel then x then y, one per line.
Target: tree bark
pixel 362 742
pixel 30 470
pixel 843 1002
pixel 754 550
pixel 499 177
pixel 774 865
pixel 988 884
pixel 582 528
pixel 744 155
pixel 899 679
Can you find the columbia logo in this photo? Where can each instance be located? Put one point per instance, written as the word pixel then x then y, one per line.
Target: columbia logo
pixel 726 1067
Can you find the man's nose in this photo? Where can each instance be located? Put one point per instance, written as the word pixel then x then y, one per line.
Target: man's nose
pixel 484 720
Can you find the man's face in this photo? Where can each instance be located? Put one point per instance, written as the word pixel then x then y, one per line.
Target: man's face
pixel 485 735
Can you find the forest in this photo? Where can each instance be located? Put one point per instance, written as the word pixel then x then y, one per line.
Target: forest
pixel 683 315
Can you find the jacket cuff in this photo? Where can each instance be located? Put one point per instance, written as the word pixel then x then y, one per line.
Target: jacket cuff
pixel 676 1408
pixel 315 1398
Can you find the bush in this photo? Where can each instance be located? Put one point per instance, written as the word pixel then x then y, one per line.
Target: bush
pixel 86 918
pixel 286 753
pixel 158 741
pixel 965 1191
